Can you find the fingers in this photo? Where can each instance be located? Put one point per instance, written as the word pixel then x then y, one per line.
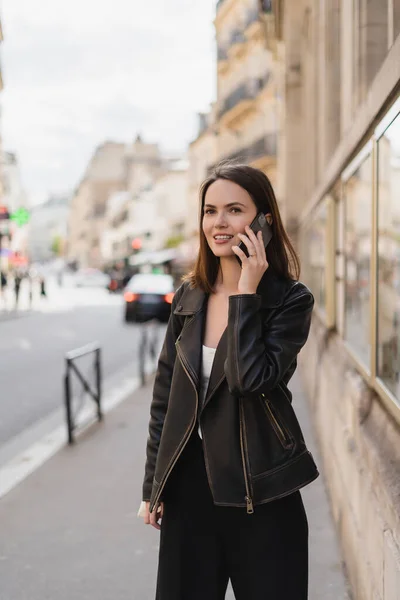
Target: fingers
pixel 156 515
pixel 239 253
pixel 254 244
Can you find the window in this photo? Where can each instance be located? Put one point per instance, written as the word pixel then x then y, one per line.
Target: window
pixel 396 18
pixel 313 252
pixel 357 256
pixel 388 291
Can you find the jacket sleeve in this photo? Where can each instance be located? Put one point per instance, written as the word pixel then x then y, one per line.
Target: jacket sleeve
pixel 161 391
pixel 259 355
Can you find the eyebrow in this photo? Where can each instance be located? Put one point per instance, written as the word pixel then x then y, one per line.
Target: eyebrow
pixel 226 205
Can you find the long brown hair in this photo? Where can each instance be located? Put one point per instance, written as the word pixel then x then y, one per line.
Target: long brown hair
pixel 281 256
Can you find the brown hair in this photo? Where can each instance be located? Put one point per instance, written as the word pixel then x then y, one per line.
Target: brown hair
pixel 281 256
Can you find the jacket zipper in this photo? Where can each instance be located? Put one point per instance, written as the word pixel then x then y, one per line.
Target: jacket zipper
pixel 162 485
pixel 275 423
pixel 248 498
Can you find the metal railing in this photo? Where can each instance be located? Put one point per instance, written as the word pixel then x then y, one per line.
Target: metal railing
pixel 264 146
pixel 222 53
pixel 237 37
pixel 245 91
pixel 74 407
pixel 266 6
pixel 252 17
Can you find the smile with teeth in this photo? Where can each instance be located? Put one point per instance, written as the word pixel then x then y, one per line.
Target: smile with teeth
pixel 222 238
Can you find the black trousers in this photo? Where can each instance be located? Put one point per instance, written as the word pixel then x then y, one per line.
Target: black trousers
pixel 202 546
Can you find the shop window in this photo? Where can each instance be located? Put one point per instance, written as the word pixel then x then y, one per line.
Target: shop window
pixel 388 291
pixel 313 255
pixel 357 259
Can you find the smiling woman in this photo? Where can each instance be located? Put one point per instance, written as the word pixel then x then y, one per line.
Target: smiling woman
pixel 225 454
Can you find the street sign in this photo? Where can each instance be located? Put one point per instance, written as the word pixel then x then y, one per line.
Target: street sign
pixel 21 216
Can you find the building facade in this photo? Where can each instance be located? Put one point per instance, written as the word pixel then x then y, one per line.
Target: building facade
pixel 202 155
pixel 337 65
pixel 48 227
pixel 246 119
pixel 106 173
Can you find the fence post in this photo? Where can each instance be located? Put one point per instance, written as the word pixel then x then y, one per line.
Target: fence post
pixel 67 390
pixel 98 383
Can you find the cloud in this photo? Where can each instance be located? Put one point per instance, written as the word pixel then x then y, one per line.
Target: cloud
pixel 80 72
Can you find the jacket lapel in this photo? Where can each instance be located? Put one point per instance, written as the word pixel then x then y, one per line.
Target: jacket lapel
pixel 193 305
pixel 189 342
pixel 217 375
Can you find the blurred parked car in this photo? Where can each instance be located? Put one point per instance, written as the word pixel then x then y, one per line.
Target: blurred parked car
pixel 148 296
pixel 91 278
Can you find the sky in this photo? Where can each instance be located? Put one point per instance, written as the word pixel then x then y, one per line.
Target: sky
pixel 80 72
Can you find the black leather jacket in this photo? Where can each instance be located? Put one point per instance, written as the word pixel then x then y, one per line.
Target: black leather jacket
pixel 253 445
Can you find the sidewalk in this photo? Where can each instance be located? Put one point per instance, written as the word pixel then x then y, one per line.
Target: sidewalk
pixel 70 530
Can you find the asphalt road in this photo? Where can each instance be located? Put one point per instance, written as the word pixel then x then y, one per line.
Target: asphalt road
pixel 32 350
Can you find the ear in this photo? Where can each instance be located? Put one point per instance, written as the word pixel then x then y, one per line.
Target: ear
pixel 268 216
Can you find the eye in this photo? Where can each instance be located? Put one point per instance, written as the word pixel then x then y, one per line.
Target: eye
pixel 208 211
pixel 236 209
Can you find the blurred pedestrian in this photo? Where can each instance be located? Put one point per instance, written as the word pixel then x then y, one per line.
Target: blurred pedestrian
pixel 225 453
pixel 42 284
pixel 3 286
pixel 17 287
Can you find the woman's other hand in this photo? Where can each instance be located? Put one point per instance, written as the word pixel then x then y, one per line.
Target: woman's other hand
pixel 152 518
pixel 253 266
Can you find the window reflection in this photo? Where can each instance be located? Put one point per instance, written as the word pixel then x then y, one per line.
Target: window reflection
pixel 388 354
pixel 358 213
pixel 314 248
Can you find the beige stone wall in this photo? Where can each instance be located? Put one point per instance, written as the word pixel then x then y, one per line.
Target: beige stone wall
pixel 360 447
pixel 337 72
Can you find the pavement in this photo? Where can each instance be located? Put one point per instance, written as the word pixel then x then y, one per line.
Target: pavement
pixel 70 529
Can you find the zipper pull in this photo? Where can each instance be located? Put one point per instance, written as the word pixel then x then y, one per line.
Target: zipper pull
pixel 249 504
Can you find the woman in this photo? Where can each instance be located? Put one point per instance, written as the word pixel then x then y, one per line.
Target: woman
pixel 225 453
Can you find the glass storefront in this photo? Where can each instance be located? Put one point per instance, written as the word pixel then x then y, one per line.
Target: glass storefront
pixel 357 251
pixel 388 289
pixel 314 255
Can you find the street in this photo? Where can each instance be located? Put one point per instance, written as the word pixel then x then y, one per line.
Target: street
pixel 33 346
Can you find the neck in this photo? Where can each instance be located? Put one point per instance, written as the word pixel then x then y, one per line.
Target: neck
pixel 228 276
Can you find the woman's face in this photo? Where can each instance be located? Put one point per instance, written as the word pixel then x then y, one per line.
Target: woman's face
pixel 228 208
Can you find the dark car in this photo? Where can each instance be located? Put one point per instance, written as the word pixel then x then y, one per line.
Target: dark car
pixel 148 296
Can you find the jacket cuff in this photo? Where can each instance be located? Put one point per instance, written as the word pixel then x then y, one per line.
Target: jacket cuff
pixel 146 493
pixel 247 301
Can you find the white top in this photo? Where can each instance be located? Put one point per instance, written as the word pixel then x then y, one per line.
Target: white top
pixel 208 359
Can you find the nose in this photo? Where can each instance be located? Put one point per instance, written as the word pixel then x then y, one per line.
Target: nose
pixel 220 220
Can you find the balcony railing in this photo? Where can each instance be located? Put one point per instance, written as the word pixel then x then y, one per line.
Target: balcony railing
pixel 266 6
pixel 246 91
pixel 265 146
pixel 252 17
pixel 221 53
pixel 237 37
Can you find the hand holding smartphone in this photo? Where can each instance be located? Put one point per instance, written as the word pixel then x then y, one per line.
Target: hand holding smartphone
pixel 259 223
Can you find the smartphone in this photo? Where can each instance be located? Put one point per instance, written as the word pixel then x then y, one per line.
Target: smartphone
pixel 260 223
